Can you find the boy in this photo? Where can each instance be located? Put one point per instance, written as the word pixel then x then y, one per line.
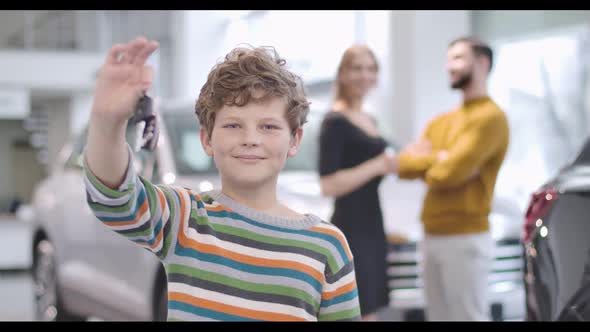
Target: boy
pixel 229 254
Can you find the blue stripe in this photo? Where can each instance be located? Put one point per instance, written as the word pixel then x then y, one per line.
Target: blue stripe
pixel 187 307
pixel 340 298
pixel 272 271
pixel 140 199
pixel 154 236
pixel 329 238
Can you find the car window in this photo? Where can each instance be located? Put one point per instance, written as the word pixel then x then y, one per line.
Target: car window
pixel 183 131
pixel 583 157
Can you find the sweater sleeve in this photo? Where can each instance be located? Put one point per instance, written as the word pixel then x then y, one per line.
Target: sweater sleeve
pixel 477 145
pixel 340 296
pixel 411 166
pixel 137 210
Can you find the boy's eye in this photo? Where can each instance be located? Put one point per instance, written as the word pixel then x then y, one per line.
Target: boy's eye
pixel 231 125
pixel 270 127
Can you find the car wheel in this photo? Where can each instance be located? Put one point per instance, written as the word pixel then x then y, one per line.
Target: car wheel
pixel 47 299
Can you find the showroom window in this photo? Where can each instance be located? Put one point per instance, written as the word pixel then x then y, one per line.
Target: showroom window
pixel 540 82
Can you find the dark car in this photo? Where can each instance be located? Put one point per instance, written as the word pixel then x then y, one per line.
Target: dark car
pixel 556 243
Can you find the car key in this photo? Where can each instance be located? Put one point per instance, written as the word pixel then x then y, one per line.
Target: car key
pixel 145 113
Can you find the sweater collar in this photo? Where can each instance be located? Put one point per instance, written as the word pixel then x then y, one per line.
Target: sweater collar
pixel 476 101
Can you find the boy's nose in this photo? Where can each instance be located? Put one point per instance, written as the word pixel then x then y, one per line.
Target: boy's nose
pixel 251 138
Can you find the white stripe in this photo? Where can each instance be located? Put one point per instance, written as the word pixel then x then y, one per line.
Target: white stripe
pixel 187 316
pixel 147 245
pixel 99 197
pixel 339 283
pixel 268 307
pixel 142 220
pixel 258 253
pixel 347 305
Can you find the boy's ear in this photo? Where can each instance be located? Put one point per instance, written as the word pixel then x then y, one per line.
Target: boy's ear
pixel 206 142
pixel 295 142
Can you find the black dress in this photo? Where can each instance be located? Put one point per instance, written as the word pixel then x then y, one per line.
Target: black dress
pixel 358 213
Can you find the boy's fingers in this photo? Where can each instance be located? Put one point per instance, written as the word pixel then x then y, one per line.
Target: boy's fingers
pixel 115 54
pixel 135 47
pixel 145 52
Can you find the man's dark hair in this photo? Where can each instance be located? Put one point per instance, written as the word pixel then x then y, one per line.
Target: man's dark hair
pixel 478 46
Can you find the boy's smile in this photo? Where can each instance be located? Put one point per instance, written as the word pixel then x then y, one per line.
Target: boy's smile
pixel 249 158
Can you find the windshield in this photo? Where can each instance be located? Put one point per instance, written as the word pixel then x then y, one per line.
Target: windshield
pixel 190 158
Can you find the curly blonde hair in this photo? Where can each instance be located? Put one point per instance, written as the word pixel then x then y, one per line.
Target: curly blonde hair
pixel 249 74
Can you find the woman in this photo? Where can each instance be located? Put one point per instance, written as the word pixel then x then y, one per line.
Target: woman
pixel 352 164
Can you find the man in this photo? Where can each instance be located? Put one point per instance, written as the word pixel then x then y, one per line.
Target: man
pixel 459 156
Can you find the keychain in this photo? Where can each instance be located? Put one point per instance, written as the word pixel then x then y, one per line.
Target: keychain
pixel 146 117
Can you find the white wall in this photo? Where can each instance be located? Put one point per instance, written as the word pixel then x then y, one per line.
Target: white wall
pixel 49 71
pixel 420 88
pixel 80 106
pixel 500 24
pixel 198 41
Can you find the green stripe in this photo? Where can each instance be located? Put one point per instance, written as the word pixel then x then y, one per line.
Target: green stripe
pixel 172 319
pixel 170 202
pixel 151 195
pixel 239 232
pixel 118 209
pixel 104 189
pixel 244 285
pixel 341 315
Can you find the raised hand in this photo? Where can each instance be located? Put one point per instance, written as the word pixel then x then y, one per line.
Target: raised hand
pixel 123 79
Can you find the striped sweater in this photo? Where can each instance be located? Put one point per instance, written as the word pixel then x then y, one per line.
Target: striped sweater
pixel 225 261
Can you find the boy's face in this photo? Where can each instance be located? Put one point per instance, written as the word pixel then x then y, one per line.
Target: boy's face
pixel 250 144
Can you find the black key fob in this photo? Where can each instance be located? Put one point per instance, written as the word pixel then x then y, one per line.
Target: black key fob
pixel 145 113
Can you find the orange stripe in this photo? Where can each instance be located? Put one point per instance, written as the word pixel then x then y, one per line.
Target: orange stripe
pixel 230 309
pixel 337 235
pixel 162 199
pixel 218 208
pixel 344 289
pixel 161 233
pixel 142 210
pixel 182 207
pixel 195 195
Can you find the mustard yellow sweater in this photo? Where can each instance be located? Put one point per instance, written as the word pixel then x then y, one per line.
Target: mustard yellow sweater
pixel 460 188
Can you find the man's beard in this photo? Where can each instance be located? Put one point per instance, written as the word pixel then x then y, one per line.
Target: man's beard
pixel 463 81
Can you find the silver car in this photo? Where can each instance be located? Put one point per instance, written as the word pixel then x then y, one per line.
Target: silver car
pixel 83 270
